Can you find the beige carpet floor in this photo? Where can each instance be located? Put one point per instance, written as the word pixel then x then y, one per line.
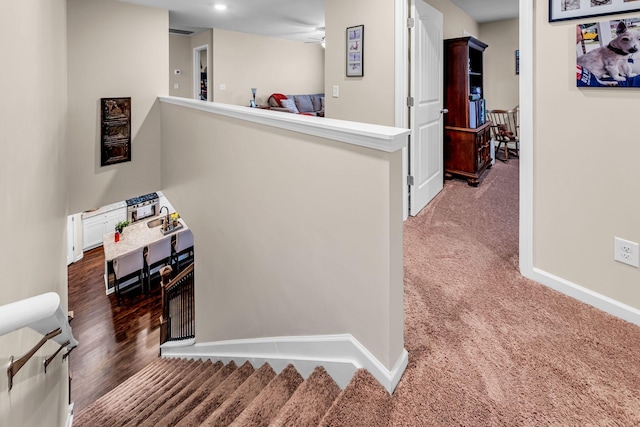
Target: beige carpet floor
pixel 489 347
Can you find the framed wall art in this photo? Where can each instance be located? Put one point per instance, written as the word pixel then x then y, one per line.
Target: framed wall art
pixel 355 51
pixel 115 135
pixel 605 53
pixel 562 10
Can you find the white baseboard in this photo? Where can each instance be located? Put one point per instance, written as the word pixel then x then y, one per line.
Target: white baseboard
pixel 340 355
pixel 69 422
pixel 587 296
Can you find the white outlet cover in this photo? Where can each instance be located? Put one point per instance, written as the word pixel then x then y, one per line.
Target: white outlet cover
pixel 626 252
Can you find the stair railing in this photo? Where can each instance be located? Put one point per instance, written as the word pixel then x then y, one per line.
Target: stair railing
pixel 178 305
pixel 44 315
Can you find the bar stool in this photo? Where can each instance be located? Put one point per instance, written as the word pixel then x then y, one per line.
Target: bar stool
pixel 158 255
pixel 126 267
pixel 184 249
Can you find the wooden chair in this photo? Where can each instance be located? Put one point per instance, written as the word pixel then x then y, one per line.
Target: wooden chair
pixel 126 267
pixel 158 255
pixel 183 253
pixel 504 129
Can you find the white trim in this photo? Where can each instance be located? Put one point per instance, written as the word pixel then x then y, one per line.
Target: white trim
pixel 69 421
pixel 340 355
pixel 587 296
pixel 383 138
pixel 527 138
pixel 402 90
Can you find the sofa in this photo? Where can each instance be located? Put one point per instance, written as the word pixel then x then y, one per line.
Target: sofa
pixel 310 105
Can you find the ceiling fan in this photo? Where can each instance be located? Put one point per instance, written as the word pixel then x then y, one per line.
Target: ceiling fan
pixel 318 40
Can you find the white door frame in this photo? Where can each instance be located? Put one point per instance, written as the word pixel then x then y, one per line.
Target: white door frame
pixel 196 71
pixel 526 135
pixel 402 89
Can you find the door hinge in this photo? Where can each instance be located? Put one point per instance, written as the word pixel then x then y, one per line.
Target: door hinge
pixel 411 22
pixel 409 180
pixel 409 101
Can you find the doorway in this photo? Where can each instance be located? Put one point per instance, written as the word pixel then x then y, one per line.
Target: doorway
pixel 201 73
pixel 425 154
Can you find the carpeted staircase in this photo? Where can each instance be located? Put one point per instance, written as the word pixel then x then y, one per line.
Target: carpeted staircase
pixel 178 392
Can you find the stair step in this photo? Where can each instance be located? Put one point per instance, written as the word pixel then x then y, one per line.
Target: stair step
pixel 364 402
pixel 231 408
pixel 100 409
pixel 188 404
pixel 172 397
pixel 123 413
pixel 219 395
pixel 311 400
pixel 270 401
pixel 190 393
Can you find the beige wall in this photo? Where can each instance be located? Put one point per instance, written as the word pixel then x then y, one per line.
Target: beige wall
pixel 295 235
pixel 242 61
pixel 456 22
pixel 33 198
pixel 501 83
pixel 585 167
pixel 180 58
pixel 371 98
pixel 116 49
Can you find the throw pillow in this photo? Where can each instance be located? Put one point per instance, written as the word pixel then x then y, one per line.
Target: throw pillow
pixel 317 103
pixel 274 99
pixel 304 104
pixel 289 104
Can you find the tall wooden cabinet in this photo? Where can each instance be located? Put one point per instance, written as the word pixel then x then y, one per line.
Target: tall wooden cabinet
pixel 467 134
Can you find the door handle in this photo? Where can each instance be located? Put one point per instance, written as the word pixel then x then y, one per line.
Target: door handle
pixel 444 111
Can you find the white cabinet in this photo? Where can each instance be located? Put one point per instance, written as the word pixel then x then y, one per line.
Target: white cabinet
pixel 94 227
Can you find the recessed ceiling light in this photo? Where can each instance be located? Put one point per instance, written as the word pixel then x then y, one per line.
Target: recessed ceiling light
pixel 220 7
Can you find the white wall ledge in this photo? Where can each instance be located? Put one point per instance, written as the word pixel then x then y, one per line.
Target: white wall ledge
pixel 384 138
pixel 42 313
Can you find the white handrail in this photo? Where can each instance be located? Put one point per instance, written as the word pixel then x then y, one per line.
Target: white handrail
pixel 41 313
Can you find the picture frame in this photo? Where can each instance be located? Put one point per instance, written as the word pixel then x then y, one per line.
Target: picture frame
pixel 115 134
pixel 355 51
pixel 604 52
pixel 562 10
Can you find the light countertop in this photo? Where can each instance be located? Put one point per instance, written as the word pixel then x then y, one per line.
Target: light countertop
pixel 135 236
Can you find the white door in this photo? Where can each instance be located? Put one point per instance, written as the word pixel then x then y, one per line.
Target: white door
pixel 425 148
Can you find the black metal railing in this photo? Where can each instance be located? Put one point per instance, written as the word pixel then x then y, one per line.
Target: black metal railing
pixel 178 306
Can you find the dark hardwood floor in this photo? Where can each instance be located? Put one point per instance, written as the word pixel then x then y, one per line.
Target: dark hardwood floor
pixel 115 342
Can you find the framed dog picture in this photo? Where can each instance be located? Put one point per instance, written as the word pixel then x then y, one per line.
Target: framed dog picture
pixel 562 10
pixel 607 53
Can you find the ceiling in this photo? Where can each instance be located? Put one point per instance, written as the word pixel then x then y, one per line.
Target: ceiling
pixel 489 10
pixel 301 20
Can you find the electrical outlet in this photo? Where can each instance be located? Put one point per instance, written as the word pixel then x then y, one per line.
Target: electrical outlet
pixel 626 252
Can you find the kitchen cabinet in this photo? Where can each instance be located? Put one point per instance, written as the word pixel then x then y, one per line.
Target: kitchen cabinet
pixel 97 224
pixel 466 132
